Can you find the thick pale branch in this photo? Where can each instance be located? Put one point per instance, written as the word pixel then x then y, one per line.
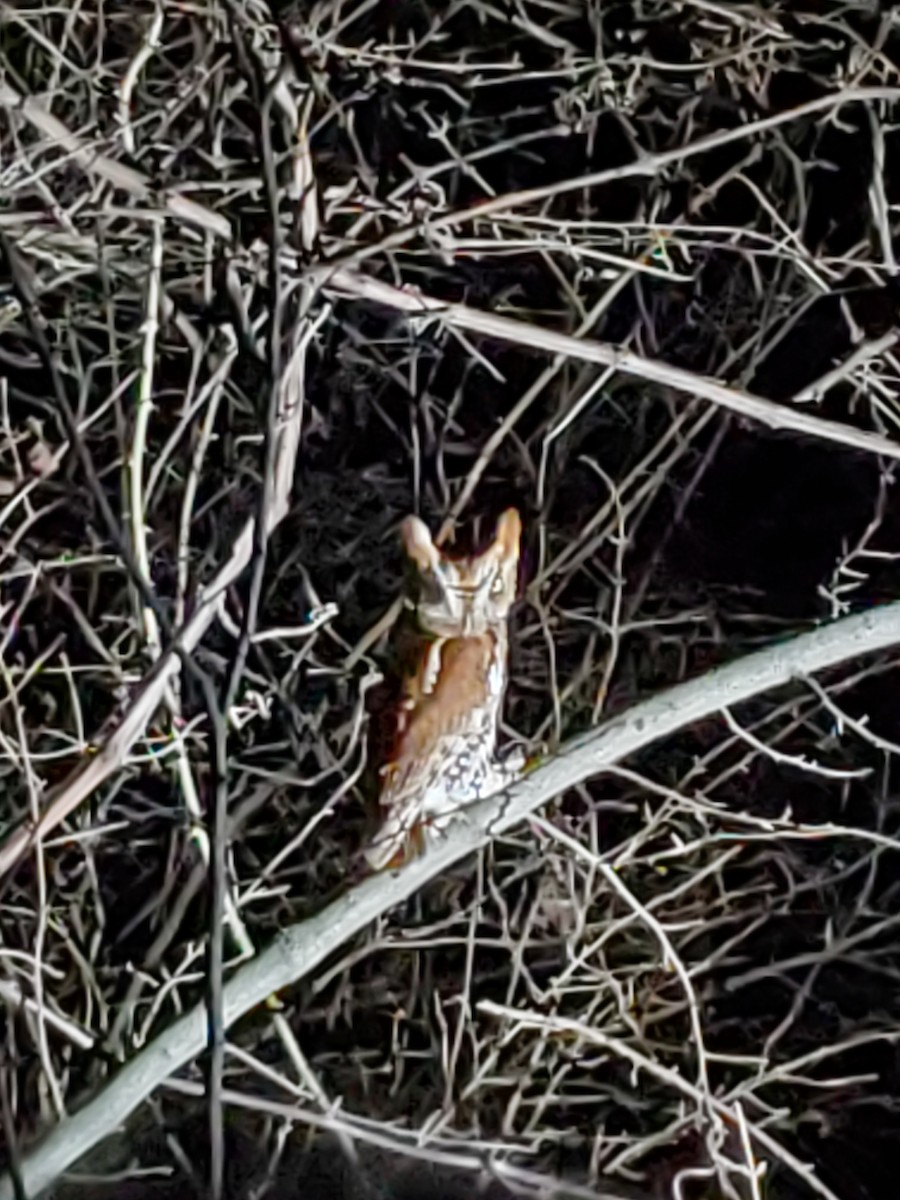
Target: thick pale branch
pixel 302 948
pixel 461 316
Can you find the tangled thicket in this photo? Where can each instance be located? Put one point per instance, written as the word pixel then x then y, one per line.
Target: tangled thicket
pixel 709 186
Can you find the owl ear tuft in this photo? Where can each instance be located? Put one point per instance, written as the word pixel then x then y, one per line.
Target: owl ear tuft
pixel 418 544
pixel 509 534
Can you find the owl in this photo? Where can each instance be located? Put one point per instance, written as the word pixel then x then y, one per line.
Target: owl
pixel 445 753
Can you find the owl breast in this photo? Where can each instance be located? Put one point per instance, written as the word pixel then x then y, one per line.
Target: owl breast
pixel 447 735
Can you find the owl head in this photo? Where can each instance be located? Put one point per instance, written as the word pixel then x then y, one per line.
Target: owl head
pixel 464 596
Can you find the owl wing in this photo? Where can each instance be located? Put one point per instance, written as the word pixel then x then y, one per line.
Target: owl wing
pixel 459 688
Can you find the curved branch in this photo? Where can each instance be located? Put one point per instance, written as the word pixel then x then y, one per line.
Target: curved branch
pixel 299 950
